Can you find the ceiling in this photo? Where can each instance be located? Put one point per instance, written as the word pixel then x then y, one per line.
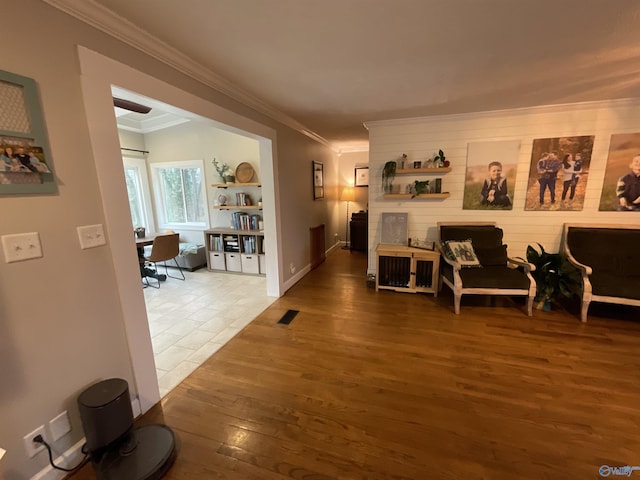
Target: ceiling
pixel 331 65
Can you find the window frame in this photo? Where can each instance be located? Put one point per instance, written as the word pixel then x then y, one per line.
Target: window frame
pixel 158 192
pixel 140 165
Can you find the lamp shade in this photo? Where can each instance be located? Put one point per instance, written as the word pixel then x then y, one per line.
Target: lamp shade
pixel 348 195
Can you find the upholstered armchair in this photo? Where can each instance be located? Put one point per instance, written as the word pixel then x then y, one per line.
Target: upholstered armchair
pixel 484 269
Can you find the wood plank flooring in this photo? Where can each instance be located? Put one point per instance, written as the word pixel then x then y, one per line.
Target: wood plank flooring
pixel 366 385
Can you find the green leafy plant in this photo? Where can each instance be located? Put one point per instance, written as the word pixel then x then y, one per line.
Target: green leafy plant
pixel 420 187
pixel 555 277
pixel 439 157
pixel 388 174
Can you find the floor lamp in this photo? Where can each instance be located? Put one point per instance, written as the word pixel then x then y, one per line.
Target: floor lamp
pixel 348 195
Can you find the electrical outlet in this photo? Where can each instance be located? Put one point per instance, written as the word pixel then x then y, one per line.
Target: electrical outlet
pixel 21 246
pixel 292 268
pixel 30 446
pixel 59 426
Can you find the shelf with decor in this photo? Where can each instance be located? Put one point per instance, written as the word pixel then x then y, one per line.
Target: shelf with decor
pixel 421 171
pixel 236 184
pixel 237 251
pixel 409 196
pixel 237 207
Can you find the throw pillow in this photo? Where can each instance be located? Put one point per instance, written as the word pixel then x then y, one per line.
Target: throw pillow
pixel 492 256
pixel 462 252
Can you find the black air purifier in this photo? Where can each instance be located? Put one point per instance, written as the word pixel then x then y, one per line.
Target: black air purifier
pixel 118 450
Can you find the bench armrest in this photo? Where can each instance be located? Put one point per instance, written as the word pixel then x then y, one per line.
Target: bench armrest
pixel 528 267
pixel 584 269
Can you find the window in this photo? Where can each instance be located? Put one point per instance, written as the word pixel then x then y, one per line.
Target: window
pixel 180 194
pixel 135 174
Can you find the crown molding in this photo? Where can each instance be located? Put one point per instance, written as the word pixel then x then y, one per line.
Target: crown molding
pixel 537 109
pixel 100 17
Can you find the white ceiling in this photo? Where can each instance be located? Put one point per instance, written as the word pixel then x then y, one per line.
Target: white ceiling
pixel 333 64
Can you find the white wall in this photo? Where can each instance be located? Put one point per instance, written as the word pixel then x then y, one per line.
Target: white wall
pixel 202 141
pixel 62 325
pixel 420 138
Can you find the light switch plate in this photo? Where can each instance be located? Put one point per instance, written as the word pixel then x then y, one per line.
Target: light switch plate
pixel 21 246
pixel 91 236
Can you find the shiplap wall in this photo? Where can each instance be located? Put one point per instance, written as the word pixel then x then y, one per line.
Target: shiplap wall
pixel 420 139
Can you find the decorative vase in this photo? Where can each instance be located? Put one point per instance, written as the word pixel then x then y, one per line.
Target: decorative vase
pixel 229 179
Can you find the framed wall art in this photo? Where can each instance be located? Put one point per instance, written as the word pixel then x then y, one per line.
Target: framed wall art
pixel 25 160
pixel 361 177
pixel 317 172
pixel 395 228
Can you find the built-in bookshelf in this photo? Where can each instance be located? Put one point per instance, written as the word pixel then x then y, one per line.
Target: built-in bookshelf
pixel 235 250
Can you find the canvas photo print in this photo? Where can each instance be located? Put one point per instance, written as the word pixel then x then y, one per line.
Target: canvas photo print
pixel 558 173
pixel 621 186
pixel 491 175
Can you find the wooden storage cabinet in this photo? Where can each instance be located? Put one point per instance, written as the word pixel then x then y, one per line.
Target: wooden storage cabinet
pixel 407 269
pixel 239 251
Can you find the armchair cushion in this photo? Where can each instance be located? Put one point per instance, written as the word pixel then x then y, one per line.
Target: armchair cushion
pixel 492 256
pixel 484 236
pixel 501 277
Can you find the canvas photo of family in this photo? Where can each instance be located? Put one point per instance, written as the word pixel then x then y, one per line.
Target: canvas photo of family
pixel 558 173
pixel 621 186
pixel 21 162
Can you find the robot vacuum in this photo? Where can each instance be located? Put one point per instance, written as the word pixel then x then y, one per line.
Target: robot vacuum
pixel 117 449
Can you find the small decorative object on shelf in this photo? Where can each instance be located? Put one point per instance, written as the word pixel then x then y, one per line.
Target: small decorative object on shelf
pixel 222 199
pixel 439 160
pixel 225 172
pixel 420 187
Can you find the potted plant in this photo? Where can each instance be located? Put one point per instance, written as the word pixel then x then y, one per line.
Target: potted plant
pixel 440 160
pixel 225 172
pixel 388 174
pixel 555 277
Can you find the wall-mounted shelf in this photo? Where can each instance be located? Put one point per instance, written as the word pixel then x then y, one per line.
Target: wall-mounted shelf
pixel 227 185
pixel 419 171
pixel 408 196
pixel 237 207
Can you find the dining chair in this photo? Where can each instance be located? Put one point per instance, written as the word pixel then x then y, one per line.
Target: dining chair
pixel 164 249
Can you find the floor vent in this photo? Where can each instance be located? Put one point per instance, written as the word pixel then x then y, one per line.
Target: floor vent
pixel 288 317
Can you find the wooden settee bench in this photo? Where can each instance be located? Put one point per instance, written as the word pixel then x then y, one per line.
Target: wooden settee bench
pixel 608 257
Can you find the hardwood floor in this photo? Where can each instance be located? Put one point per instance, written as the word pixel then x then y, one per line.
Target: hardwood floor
pixel 366 385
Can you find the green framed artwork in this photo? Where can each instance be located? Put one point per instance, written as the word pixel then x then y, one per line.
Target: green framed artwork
pixel 26 165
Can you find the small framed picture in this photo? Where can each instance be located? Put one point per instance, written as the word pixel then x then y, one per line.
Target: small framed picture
pixel 362 177
pixel 395 228
pixel 317 171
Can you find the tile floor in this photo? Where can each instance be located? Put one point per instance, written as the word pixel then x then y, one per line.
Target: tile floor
pixel 189 321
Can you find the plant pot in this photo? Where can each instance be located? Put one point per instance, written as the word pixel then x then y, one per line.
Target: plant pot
pixel 229 179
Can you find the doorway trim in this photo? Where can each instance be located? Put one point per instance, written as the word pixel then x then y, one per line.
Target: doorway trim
pixel 98 74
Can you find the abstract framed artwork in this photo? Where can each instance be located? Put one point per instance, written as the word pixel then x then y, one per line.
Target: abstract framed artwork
pixel 395 228
pixel 25 160
pixel 361 177
pixel 317 172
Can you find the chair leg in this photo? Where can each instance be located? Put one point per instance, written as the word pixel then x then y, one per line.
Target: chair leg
pixel 530 305
pixel 584 309
pixel 456 303
pixel 166 270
